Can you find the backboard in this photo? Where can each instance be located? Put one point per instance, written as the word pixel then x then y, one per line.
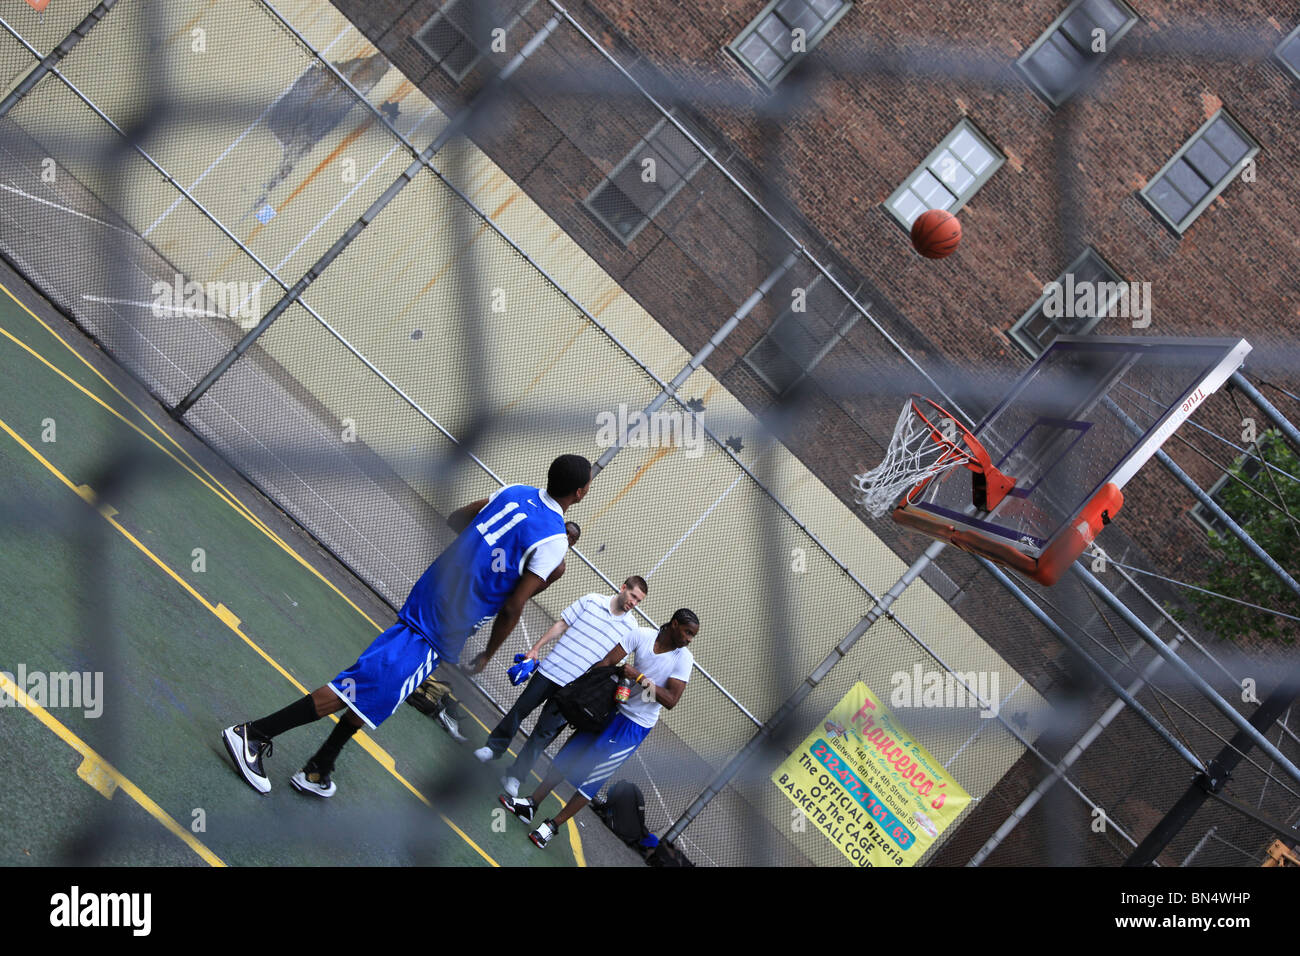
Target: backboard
pixel 1091 411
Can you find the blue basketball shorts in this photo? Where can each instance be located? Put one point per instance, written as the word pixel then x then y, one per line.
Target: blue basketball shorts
pixel 386 673
pixel 588 760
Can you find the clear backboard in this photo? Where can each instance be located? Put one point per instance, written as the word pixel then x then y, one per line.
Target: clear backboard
pixel 1089 413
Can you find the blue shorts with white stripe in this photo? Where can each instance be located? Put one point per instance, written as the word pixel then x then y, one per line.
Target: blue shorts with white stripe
pixel 588 760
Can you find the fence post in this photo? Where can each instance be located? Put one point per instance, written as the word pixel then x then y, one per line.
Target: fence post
pixel 77 34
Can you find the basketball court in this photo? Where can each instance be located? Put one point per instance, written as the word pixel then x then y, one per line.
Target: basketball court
pixel 286 170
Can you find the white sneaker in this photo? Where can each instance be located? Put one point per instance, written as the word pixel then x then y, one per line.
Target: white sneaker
pixel 452 726
pixel 484 754
pixel 247 755
pixel 313 782
pixel 510 785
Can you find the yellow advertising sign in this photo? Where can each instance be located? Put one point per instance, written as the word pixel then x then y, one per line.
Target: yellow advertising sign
pixel 871 789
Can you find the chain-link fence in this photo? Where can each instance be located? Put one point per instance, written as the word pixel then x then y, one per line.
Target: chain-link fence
pixel 443 322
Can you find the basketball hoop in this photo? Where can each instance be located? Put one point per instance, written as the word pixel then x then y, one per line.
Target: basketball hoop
pixel 920 450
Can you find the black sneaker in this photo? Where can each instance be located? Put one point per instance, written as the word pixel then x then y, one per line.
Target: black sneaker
pixel 542 835
pixel 522 807
pixel 310 780
pixel 247 753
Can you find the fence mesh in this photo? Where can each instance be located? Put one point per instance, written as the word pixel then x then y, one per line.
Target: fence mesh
pixel 453 344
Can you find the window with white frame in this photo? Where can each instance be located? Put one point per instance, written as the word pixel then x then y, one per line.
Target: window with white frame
pixel 782 34
pixel 950 175
pixel 1203 168
pixel 1059 61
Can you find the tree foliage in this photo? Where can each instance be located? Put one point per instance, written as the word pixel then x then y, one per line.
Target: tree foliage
pixel 1235 571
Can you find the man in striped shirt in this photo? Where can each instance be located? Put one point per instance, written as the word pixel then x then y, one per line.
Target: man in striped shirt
pixel 587 630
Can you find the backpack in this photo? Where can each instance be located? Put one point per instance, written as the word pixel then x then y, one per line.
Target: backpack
pixel 624 812
pixel 665 854
pixel 432 696
pixel 588 701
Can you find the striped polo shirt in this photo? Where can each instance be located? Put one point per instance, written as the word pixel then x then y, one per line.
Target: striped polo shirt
pixel 592 633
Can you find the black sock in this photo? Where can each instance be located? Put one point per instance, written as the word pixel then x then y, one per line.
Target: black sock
pixel 329 751
pixel 300 712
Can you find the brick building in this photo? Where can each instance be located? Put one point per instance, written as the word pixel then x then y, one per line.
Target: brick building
pixel 1171 163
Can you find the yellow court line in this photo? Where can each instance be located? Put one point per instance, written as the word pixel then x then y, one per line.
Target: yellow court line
pixel 223 614
pixel 99 767
pixel 575 838
pixel 126 421
pixel 139 411
pixel 224 495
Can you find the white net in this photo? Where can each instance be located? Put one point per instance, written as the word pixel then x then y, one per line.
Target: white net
pixel 916 451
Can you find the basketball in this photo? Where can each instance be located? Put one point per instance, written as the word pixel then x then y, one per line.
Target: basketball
pixel 935 234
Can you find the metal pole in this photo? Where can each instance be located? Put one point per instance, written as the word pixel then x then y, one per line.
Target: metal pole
pixel 699 358
pixel 1210 503
pixel 39 71
pixel 1185 670
pixel 723 777
pixel 454 128
pixel 598 47
pixel 1263 819
pixel 1205 838
pixel 1214 776
pixel 1090 662
pixel 1277 418
pixel 1075 752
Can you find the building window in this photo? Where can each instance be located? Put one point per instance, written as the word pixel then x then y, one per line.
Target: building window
pixel 1073 46
pixel 1035 330
pixel 1202 169
pixel 783 34
pixel 950 175
pixel 645 181
pixel 459 34
pixel 1246 467
pixel 796 342
pixel 1288 51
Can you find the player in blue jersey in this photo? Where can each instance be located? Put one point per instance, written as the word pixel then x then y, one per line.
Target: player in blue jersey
pixel 506 548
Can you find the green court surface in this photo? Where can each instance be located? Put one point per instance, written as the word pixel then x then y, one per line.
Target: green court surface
pixel 101 576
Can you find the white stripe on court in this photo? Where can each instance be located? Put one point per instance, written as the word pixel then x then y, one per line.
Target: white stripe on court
pixel 240 138
pixel 183 310
pixel 45 202
pixel 324 219
pixel 698 522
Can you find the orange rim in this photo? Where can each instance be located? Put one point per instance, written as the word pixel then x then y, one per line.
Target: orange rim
pixel 976 459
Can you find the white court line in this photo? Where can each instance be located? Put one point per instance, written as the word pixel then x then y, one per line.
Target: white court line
pixel 182 310
pixel 698 522
pixel 324 219
pixel 240 138
pixel 46 202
